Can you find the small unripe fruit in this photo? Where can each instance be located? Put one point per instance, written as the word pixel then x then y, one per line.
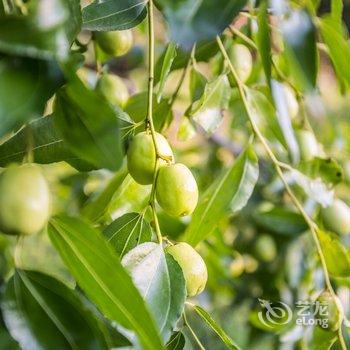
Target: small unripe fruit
pixel 177 191
pixel 336 217
pixel 236 267
pixel 242 61
pixel 192 265
pixel 116 43
pixel 113 89
pixel 308 145
pixel 24 200
pixel 332 311
pixel 265 248
pixel 291 101
pixel 141 156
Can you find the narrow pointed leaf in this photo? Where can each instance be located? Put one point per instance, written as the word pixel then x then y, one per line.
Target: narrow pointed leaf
pixel 229 343
pixel 230 192
pixel 170 55
pixel 128 231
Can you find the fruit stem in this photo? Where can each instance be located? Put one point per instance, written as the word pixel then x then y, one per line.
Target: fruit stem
pixel 312 225
pixel 97 59
pixel 149 118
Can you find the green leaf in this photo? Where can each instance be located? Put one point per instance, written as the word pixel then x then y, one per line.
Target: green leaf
pixel 176 342
pixel 31 36
pixel 338 48
pixel 336 255
pixel 130 197
pixel 299 36
pixel 169 57
pixel 89 125
pixel 284 120
pixel 281 221
pixel 229 343
pixel 97 269
pixel 73 26
pixel 265 114
pixel 263 39
pixel 207 111
pixel 42 313
pixel 107 15
pixel 128 231
pixel 160 281
pixel 203 52
pixel 136 108
pixel 48 145
pixel 323 339
pixel 191 21
pixel 97 207
pixel 25 87
pixel 198 83
pixel 230 192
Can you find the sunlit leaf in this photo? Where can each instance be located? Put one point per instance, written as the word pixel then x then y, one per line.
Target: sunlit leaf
pixel 127 232
pixel 98 271
pixel 160 281
pixel 229 193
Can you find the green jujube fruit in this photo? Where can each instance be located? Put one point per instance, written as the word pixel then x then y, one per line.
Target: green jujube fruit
pixel 336 217
pixel 176 191
pixel 265 248
pixel 308 145
pixel 116 43
pixel 141 156
pixel 192 265
pixel 113 89
pixel 242 61
pixel 24 200
pixel 332 313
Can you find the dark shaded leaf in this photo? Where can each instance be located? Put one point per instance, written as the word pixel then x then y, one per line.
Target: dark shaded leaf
pixel 107 15
pixel 33 300
pixel 25 87
pixel 48 146
pixel 190 21
pixel 88 125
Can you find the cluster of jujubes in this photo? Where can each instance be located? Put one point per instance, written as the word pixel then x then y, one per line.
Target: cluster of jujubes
pixel 151 160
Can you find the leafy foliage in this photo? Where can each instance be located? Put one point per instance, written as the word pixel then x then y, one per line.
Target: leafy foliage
pixel 269 153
